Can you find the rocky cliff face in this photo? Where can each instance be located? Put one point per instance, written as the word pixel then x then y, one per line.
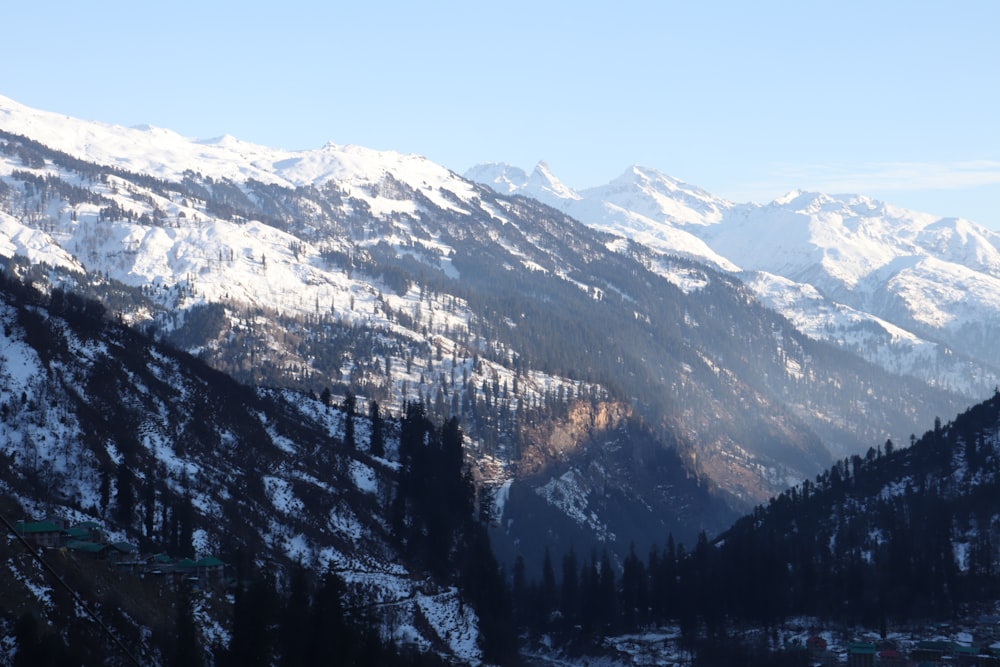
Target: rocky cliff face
pixel 598 478
pixel 556 442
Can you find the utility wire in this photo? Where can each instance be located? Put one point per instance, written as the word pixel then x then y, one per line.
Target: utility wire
pixel 76 596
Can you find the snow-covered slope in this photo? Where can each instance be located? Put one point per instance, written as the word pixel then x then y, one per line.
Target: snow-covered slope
pixel 264 474
pixel 385 273
pixel 876 278
pixel 168 155
pixel 641 205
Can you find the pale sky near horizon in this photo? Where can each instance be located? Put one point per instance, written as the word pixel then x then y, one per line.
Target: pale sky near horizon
pixel 748 100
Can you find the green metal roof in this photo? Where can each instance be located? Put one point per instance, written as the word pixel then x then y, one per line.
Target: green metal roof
pixel 209 561
pixel 967 650
pixel 86 547
pixel 124 547
pixel 861 649
pixel 88 525
pixel 30 527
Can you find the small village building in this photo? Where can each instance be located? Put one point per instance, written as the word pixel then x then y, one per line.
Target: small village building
pixel 160 560
pixel 76 534
pixel 89 549
pixel 43 534
pixel 122 552
pixel 861 655
pixel 817 647
pixel 967 656
pixel 185 570
pixel 210 569
pixel 931 651
pixel 819 652
pixel 891 656
pixel 85 531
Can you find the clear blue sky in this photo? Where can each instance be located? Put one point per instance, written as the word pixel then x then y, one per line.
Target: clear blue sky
pixel 897 100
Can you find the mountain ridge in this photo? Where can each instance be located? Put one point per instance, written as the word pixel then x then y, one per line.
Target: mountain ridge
pixel 932 277
pixel 406 282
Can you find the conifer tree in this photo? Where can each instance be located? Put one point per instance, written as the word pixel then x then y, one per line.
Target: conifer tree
pixel 293 628
pixel 124 495
pixel 187 650
pixel 377 444
pixel 350 407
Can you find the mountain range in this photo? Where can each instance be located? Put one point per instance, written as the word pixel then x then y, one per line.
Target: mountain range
pixel 344 266
pixel 659 369
pixel 912 292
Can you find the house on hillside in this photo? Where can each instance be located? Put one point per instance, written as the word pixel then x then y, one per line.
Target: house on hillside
pixel 931 651
pixel 817 647
pixel 968 656
pixel 122 552
pixel 85 531
pixel 185 570
pixel 819 652
pixel 43 534
pixel 93 550
pixel 210 569
pixel 861 655
pixel 891 656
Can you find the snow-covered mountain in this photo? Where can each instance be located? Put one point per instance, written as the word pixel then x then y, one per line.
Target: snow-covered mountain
pixel 100 424
pixel 167 155
pixel 641 205
pixel 913 292
pixel 586 367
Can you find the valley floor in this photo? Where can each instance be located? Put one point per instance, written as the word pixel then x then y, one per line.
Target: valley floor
pixel 806 642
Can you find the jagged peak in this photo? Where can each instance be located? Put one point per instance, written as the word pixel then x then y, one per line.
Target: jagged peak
pixel 542 177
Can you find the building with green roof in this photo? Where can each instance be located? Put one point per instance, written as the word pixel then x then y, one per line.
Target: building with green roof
pixel 40 533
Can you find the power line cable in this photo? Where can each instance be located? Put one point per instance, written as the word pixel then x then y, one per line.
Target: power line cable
pixel 76 596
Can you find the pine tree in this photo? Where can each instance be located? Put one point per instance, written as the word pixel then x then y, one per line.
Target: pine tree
pixel 124 495
pixel 187 650
pixel 569 597
pixel 350 408
pixel 547 593
pixel 377 444
pixel 293 628
pixel 250 644
pixel 328 642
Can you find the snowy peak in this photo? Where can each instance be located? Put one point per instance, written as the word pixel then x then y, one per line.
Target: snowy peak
pixel 964 242
pixel 541 184
pixel 660 198
pixel 841 240
pixel 504 178
pixel 168 155
pixel 544 181
pixel 872 266
pixel 642 204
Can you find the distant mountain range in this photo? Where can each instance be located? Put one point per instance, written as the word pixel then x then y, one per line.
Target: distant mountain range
pixel 622 380
pixel 914 293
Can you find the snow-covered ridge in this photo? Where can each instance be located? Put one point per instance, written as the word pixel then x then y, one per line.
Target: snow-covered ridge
pixel 880 279
pixel 166 154
pixel 399 260
pixel 934 278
